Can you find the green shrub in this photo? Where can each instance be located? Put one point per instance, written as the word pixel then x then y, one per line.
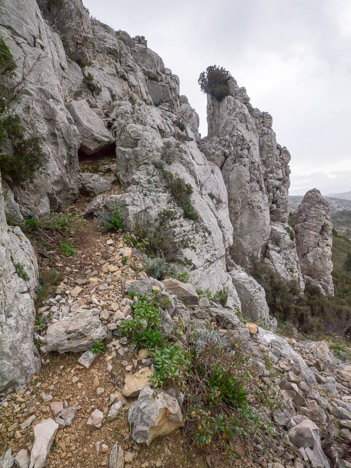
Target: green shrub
pixel 220 296
pixel 132 100
pixel 222 387
pixel 214 81
pixel 7 63
pixel 171 365
pixel 97 348
pixel 20 271
pixel 183 276
pixel 91 84
pixel 67 249
pixel 144 327
pixel 181 194
pixel 157 268
pixel 114 222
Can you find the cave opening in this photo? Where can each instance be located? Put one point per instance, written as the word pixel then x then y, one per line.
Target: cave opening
pixel 108 152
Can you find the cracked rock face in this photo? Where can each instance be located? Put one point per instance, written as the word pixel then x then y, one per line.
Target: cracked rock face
pixel 314 239
pixel 18 279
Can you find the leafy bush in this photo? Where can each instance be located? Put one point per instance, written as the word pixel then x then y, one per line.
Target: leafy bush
pixel 114 222
pixel 67 249
pixel 144 327
pixel 291 232
pixel 67 223
pixel 97 348
pixel 91 84
pixel 171 365
pixel 222 387
pixel 181 194
pixel 157 268
pixel 7 63
pixel 214 81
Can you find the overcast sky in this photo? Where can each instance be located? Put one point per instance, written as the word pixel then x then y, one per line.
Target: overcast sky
pixel 293 57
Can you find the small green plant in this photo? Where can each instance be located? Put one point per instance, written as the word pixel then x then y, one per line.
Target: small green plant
pixel 341 351
pixel 39 324
pixel 291 232
pixel 67 223
pixel 114 222
pixel 144 327
pixel 67 249
pixel 97 348
pixel 181 194
pixel 132 100
pixel 124 260
pixel 37 343
pixel 183 277
pixel 222 387
pixel 91 84
pixel 220 296
pixel 20 271
pixel 48 279
pixel 171 365
pixel 180 124
pixel 31 224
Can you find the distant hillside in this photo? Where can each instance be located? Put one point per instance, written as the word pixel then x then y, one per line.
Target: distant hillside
pixel 342 196
pixel 336 204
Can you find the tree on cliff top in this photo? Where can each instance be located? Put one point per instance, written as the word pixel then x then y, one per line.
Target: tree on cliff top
pixel 214 81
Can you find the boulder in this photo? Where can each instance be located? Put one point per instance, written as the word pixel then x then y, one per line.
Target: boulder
pixel 94 135
pixel 75 333
pixel 154 415
pixel 252 297
pixel 133 384
pixel 143 286
pixel 185 292
pixel 44 435
pixel 305 435
pixel 314 239
pixel 116 457
pixel 94 184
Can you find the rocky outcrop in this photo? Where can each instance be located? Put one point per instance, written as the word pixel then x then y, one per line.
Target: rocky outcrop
pixel 255 169
pixel 18 279
pixel 314 239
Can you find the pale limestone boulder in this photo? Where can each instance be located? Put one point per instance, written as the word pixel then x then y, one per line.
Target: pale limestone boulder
pixel 18 355
pixel 252 297
pixel 314 240
pixel 75 333
pixel 185 292
pixel 133 384
pixel 94 135
pixel 44 435
pixel 154 415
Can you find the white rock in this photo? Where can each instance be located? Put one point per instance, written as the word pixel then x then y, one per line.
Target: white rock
pixel 22 459
pixel 44 435
pixel 95 419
